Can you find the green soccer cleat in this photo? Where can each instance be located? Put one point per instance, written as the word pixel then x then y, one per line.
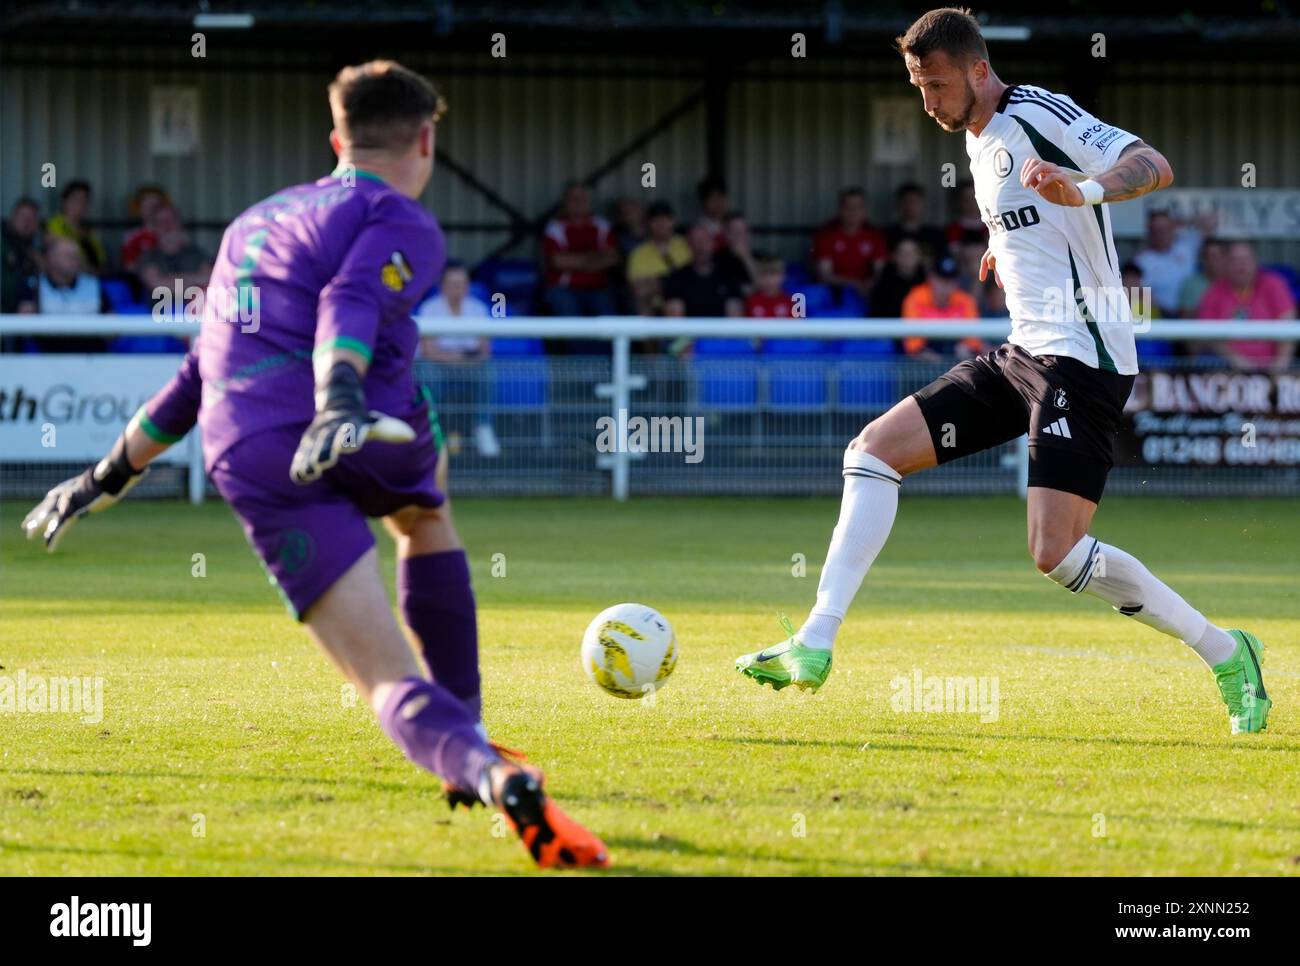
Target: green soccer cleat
pixel 1242 685
pixel 786 663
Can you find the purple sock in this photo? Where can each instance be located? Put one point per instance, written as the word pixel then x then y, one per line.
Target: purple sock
pixel 434 730
pixel 437 604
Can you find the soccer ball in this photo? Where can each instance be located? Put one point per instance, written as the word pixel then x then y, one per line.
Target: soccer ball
pixel 629 650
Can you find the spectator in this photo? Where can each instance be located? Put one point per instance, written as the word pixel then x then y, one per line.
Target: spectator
pixel 769 300
pixel 629 224
pixel 21 261
pixel 70 223
pixel 698 289
pixel 1250 293
pixel 903 272
pixel 66 288
pixel 578 251
pixel 714 205
pixel 736 259
pixel 968 256
pixel 969 227
pixel 909 205
pixel 1214 262
pixel 650 262
pixel 993 300
pixel 848 251
pixel 174 258
pixel 939 297
pixel 1143 308
pixel 144 206
pixel 462 381
pixel 1169 258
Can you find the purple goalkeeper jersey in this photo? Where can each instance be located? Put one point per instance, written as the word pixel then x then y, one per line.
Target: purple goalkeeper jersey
pixel 310 268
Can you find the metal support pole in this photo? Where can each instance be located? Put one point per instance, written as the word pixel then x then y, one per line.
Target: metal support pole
pixel 197 478
pixel 1022 467
pixel 621 346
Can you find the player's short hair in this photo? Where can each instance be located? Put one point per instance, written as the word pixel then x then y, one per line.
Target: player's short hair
pixel 769 263
pixel 950 30
pixel 712 185
pixel 381 105
pixel 73 187
pixel 853 191
pixel 908 188
pixel 24 201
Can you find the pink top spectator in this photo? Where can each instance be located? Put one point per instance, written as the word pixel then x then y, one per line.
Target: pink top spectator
pixel 1268 300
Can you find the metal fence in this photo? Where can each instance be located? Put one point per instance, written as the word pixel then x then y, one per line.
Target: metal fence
pixel 750 421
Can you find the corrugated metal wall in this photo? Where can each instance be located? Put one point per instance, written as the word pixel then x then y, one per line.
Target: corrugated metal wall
pixel 797 131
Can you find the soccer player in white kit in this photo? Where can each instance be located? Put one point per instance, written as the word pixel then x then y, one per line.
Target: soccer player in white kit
pixel 1044 171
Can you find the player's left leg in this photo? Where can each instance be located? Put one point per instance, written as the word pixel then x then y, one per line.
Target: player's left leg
pixel 1063 550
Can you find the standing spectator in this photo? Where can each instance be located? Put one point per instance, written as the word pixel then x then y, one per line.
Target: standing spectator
pixel 714 205
pixel 1250 293
pixel 650 262
pixel 736 258
pixel 1169 258
pixel 939 297
pixel 462 380
pixel 70 223
pixel 1214 262
pixel 21 261
pixel 174 259
pixel 769 300
pixel 848 251
pixel 578 251
pixel 968 228
pixel 144 205
pixel 698 288
pixel 629 224
pixel 909 206
pixel 903 272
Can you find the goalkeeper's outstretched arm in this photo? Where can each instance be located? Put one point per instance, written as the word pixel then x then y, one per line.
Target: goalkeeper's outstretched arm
pixel 165 419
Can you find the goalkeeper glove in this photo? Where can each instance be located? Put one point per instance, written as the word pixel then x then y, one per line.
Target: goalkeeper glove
pixel 342 425
pixel 98 488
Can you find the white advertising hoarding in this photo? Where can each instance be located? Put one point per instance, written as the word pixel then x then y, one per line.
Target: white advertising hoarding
pixel 67 408
pixel 1253 213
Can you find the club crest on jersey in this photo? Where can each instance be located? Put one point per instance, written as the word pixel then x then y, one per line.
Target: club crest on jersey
pixel 1061 401
pixel 1002 162
pixel 396 273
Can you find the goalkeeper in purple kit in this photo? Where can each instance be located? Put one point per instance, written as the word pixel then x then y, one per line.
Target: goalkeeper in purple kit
pixel 312 423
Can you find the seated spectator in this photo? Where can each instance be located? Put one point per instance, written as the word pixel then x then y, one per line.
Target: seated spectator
pixel 1248 292
pixel 714 205
pixel 629 224
pixel 651 261
pixel 144 205
pixel 70 223
pixel 463 381
pixel 578 251
pixel 848 252
pixel 66 288
pixel 903 272
pixel 909 206
pixel 1169 257
pixel 698 289
pixel 769 300
pixel 938 297
pixel 1140 302
pixel 968 227
pixel 174 259
pixel 735 259
pixel 993 300
pixel 1213 263
pixel 21 261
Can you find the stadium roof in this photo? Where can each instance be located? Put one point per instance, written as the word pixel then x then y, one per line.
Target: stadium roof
pixel 626 24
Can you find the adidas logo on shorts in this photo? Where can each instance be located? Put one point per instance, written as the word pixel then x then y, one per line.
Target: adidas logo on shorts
pixel 1058 428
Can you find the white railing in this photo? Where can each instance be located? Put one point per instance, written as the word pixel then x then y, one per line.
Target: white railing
pixel 620 331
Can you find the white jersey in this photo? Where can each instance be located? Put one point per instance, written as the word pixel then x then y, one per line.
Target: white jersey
pixel 1058 264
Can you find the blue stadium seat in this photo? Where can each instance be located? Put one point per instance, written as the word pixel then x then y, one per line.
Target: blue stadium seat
pixel 796 375
pixel 866 380
pixel 864 348
pixel 516 278
pixel 797 277
pixel 725 374
pixel 1154 353
pixel 121 298
pixel 522 374
pixel 819 300
pixel 1291 276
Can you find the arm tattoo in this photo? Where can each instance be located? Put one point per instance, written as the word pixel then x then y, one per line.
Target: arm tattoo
pixel 1135 175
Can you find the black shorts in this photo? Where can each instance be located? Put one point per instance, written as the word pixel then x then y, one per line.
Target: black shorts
pixel 1071 411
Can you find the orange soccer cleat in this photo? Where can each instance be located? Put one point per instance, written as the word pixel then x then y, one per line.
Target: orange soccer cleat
pixel 552 838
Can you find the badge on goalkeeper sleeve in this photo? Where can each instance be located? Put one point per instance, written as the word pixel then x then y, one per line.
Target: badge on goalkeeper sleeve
pixel 98 488
pixel 342 425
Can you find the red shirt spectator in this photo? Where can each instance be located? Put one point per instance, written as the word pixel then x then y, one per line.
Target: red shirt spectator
pixel 1250 293
pixel 770 300
pixel 848 251
pixel 577 233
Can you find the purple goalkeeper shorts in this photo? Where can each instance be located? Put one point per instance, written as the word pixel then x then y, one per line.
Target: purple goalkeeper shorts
pixel 308 536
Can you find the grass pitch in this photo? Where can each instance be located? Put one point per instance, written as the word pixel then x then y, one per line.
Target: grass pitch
pixel 228 745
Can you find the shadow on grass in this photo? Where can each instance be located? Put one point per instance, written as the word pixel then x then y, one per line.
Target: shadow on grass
pixel 868 745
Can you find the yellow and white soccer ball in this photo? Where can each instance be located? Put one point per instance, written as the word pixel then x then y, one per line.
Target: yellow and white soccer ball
pixel 629 650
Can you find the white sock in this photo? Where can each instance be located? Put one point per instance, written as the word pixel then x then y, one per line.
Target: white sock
pixel 1122 581
pixel 866 516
